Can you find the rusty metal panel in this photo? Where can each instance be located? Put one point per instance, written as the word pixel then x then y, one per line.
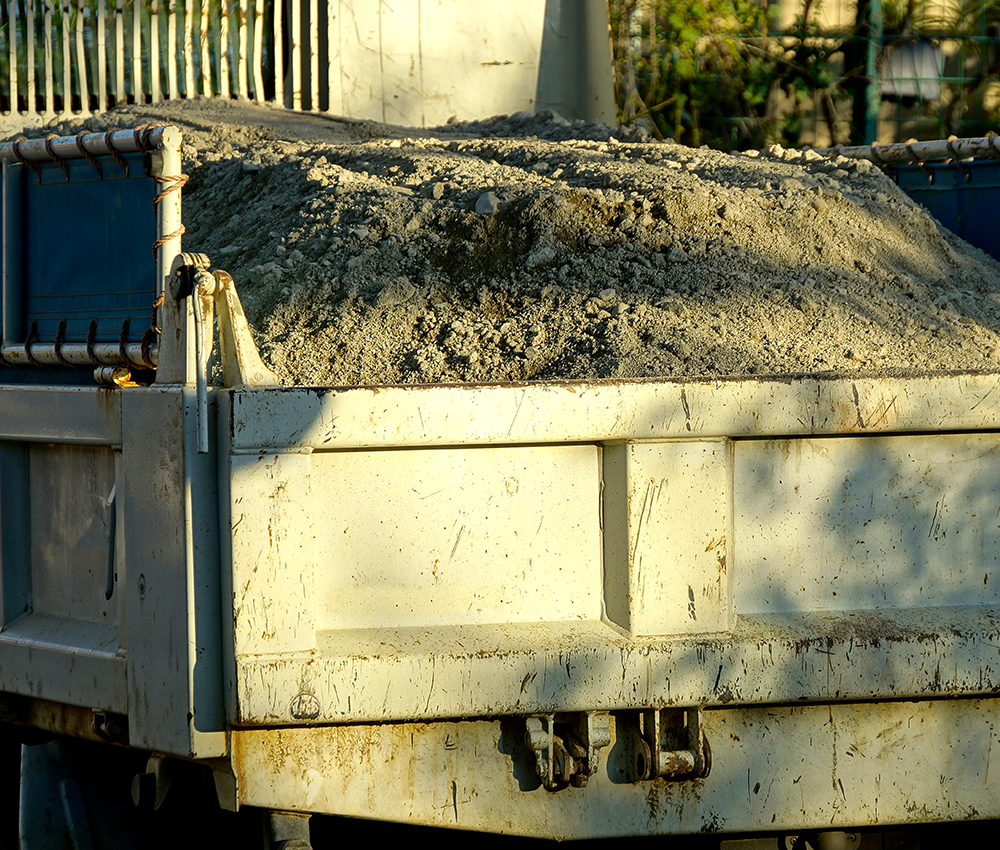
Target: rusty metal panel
pixel 599 411
pixel 774 768
pixel 666 536
pixel 884 522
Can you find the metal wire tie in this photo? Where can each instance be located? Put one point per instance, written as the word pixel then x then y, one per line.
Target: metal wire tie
pixel 91 336
pixel 87 155
pixel 919 162
pixel 115 153
pixel 991 143
pixel 29 339
pixel 885 165
pixel 149 335
pixel 31 166
pixel 949 146
pixel 57 345
pixel 52 155
pixel 122 346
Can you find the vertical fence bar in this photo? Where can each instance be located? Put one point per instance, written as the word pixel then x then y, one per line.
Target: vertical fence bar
pixel 313 56
pixel 258 50
pixel 296 34
pixel 154 51
pixel 172 53
pixel 137 90
pixel 102 58
pixel 333 49
pixel 12 52
pixel 206 65
pixel 242 52
pixel 50 106
pixel 224 49
pixel 81 59
pixel 67 80
pixel 189 90
pixel 279 53
pixel 119 52
pixel 29 26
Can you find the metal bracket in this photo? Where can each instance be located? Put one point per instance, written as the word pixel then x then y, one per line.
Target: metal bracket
pixel 110 727
pixel 669 743
pixel 566 746
pixel 214 301
pixel 823 840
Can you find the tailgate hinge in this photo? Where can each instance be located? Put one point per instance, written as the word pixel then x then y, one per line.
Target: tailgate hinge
pixel 566 746
pixel 667 742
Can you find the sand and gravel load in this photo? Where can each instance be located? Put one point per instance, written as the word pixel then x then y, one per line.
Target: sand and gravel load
pixel 534 248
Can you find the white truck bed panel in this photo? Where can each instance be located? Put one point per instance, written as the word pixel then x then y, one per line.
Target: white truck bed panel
pixel 824 767
pixel 752 541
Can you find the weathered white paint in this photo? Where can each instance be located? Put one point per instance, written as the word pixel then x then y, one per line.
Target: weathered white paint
pixel 697 506
pixel 666 536
pixel 392 62
pixel 774 768
pixel 605 411
pixel 862 524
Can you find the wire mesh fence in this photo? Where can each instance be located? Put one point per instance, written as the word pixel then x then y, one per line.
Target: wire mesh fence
pixel 746 73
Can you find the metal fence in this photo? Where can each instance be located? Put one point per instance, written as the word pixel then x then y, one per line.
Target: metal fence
pixel 805 72
pixel 899 68
pixel 77 58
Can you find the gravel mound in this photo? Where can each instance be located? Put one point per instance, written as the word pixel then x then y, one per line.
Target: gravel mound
pixel 534 248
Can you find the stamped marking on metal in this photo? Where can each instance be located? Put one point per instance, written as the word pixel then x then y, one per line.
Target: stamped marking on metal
pixel 305 707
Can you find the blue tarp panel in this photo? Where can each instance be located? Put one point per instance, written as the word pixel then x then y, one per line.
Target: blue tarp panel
pixel 964 207
pixel 82 250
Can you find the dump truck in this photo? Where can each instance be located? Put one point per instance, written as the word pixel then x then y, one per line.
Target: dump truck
pixel 754 606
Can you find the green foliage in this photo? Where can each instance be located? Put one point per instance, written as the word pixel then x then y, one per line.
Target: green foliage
pixel 710 71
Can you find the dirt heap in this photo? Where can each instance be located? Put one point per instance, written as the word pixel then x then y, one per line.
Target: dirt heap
pixel 531 247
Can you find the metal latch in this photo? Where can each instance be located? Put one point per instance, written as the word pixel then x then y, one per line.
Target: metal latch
pixel 667 742
pixel 214 298
pixel 566 746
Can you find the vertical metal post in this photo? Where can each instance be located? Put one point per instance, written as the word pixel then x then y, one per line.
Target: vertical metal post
pixel 12 282
pixel 30 92
pixel 50 101
pixel 868 94
pixel 81 59
pixel 102 57
pixel 224 90
pixel 873 92
pixel 258 51
pixel 12 17
pixel 154 50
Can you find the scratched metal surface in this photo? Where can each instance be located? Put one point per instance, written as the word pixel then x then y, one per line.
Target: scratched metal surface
pixel 840 766
pixel 720 543
pixel 360 417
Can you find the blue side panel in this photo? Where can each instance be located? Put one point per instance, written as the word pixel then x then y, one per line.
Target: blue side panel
pixel 965 208
pixel 82 251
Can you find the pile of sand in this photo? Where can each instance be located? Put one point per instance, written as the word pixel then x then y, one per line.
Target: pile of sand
pixel 530 248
